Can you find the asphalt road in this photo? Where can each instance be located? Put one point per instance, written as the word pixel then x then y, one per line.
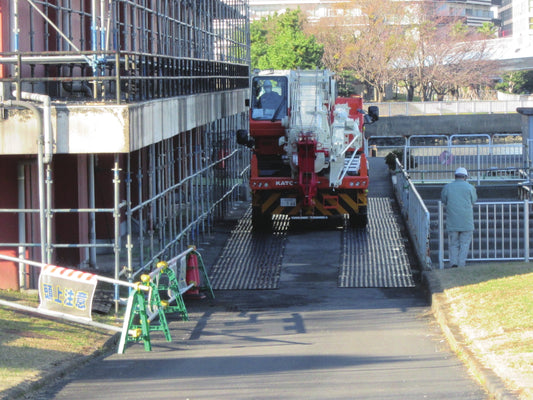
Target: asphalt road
pixel 308 339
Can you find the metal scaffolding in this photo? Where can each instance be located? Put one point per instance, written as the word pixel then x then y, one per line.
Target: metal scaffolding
pixel 165 195
pixel 179 186
pixel 128 50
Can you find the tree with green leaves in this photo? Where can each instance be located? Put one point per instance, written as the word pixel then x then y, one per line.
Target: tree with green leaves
pixel 516 82
pixel 279 42
pixel 488 29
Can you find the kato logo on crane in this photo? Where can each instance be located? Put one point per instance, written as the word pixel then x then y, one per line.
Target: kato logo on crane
pixel 283 183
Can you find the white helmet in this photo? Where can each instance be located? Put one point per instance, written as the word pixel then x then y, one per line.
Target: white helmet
pixel 461 172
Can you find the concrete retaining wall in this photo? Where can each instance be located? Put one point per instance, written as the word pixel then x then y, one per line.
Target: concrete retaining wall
pixel 445 124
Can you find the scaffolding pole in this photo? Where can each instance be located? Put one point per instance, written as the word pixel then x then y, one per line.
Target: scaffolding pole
pixel 131 52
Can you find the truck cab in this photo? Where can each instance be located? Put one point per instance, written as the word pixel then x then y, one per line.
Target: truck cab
pixel 269 98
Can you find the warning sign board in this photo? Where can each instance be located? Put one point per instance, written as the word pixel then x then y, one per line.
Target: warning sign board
pixel 67 291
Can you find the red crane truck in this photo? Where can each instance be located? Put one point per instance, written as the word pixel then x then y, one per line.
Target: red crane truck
pixel 308 157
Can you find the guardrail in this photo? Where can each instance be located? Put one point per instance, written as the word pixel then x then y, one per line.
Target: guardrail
pixel 415 213
pixel 501 232
pixel 434 158
pixel 68 294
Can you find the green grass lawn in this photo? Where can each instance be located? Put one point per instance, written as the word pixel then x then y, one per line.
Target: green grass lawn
pixel 492 304
pixel 31 346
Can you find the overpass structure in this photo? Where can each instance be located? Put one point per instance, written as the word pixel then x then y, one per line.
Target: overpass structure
pixel 513 53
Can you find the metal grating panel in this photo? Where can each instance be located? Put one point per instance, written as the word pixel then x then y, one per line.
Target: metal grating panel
pixel 352 165
pixel 251 260
pixel 375 256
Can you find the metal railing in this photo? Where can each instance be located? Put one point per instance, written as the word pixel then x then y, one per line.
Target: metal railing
pixel 187 200
pixel 434 158
pixel 501 232
pixel 120 76
pixel 390 109
pixel 415 213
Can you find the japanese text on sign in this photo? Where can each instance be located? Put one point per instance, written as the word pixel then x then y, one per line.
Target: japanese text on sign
pixel 66 290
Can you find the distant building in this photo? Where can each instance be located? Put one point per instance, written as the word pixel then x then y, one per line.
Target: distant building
pixel 505 15
pixel 516 19
pixel 473 12
pixel 314 9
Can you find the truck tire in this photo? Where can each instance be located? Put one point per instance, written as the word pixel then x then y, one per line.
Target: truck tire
pixel 359 220
pixel 261 222
pixel 335 221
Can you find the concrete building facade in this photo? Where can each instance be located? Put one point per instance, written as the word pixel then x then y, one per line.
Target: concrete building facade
pixel 516 19
pixel 117 136
pixel 473 12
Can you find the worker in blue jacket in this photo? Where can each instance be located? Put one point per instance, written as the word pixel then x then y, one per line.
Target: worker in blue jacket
pixel 459 197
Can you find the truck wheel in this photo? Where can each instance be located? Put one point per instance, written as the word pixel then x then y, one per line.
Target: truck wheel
pixel 335 221
pixel 359 220
pixel 261 222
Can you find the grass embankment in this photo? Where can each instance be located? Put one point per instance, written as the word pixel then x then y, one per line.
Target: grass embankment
pixel 492 304
pixel 31 347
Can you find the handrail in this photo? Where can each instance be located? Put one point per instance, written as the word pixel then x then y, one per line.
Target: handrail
pixel 501 228
pixel 416 213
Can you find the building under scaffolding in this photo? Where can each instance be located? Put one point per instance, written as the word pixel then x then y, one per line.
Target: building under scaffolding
pixel 118 128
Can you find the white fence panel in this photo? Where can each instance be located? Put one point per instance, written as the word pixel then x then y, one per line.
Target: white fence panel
pixel 389 109
pixel 436 163
pixel 501 232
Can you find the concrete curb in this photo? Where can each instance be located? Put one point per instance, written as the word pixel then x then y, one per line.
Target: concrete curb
pixel 492 383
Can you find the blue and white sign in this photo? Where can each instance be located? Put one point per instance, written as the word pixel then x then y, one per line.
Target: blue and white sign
pixel 67 291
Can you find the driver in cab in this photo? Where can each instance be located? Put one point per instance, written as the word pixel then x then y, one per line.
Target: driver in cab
pixel 269 100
